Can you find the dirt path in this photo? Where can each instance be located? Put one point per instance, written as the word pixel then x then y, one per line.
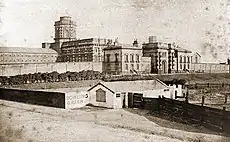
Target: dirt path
pixel 37 123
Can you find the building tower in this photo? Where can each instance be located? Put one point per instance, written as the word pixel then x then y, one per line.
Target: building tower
pixel 65 30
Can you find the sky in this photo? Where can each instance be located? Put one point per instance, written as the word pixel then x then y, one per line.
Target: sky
pixel 197 25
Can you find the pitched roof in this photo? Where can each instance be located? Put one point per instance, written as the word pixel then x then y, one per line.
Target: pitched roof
pixel 137 85
pixel 26 50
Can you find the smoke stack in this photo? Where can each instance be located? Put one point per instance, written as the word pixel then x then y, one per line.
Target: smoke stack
pixel 135 43
pixel 152 39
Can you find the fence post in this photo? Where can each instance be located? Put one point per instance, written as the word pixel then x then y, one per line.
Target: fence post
pixel 226 98
pixel 202 101
pixel 223 119
pixel 159 104
pixel 202 110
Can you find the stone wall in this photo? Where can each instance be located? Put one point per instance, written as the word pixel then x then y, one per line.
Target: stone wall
pixel 209 68
pixel 18 69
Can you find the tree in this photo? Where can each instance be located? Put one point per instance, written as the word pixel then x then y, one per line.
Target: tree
pixel 45 77
pixel 54 76
pixel 62 77
pixel 38 77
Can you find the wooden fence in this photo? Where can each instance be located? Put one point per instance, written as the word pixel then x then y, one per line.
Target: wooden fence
pixel 51 99
pixel 212 118
pixel 207 85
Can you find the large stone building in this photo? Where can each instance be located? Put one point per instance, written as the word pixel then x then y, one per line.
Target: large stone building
pixel 71 49
pixel 83 50
pixel 168 57
pixel 125 59
pixel 18 55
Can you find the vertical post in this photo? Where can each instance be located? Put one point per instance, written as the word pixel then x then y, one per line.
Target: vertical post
pixel 159 104
pixel 226 98
pixel 202 101
pixel 186 96
pixel 223 119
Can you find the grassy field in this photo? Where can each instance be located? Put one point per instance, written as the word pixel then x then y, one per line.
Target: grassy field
pixel 198 78
pixel 31 123
pixel 56 85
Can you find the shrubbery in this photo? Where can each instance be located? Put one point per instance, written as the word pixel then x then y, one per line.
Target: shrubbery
pixel 50 77
pixel 75 76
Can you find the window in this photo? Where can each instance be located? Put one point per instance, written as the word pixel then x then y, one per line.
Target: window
pixel 180 66
pixel 100 95
pixel 184 59
pixel 132 66
pixel 180 59
pixel 116 57
pixel 118 95
pixel 196 59
pixel 108 57
pixel 188 59
pixel 138 67
pixel 188 66
pixel 137 58
pixel 131 58
pixel 126 58
pixel 126 66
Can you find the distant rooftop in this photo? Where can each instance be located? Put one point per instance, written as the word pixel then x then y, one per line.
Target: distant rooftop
pixel 122 46
pixel 26 50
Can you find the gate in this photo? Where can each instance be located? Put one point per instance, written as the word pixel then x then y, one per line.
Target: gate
pixel 135 100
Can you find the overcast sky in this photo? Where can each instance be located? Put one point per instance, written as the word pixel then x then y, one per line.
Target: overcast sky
pixel 191 23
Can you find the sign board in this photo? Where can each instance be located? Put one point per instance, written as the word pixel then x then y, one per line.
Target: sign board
pixel 76 99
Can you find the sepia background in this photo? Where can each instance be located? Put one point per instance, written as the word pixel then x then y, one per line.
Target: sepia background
pixel 198 25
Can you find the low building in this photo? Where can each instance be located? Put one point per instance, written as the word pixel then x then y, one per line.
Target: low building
pixel 115 94
pixel 19 55
pixel 125 59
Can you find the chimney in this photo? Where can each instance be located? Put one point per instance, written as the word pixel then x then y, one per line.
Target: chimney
pixel 116 41
pixel 152 39
pixel 135 43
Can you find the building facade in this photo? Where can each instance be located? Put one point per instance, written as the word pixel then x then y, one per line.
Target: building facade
pixel 125 59
pixel 168 57
pixel 71 49
pixel 84 50
pixel 17 55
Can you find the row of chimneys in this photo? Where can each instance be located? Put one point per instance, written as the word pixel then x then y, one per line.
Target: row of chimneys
pixel 152 39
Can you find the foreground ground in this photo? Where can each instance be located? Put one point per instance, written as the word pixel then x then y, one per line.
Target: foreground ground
pixel 23 122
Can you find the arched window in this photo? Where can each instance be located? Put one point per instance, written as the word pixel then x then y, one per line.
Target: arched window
pixel 137 58
pixel 126 58
pixel 180 59
pixel 100 95
pixel 131 58
pixel 116 57
pixel 188 59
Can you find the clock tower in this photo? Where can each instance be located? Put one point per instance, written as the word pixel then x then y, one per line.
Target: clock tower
pixel 65 30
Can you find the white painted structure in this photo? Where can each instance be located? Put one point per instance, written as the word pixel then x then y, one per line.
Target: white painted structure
pixel 115 94
pixel 176 90
pixel 76 99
